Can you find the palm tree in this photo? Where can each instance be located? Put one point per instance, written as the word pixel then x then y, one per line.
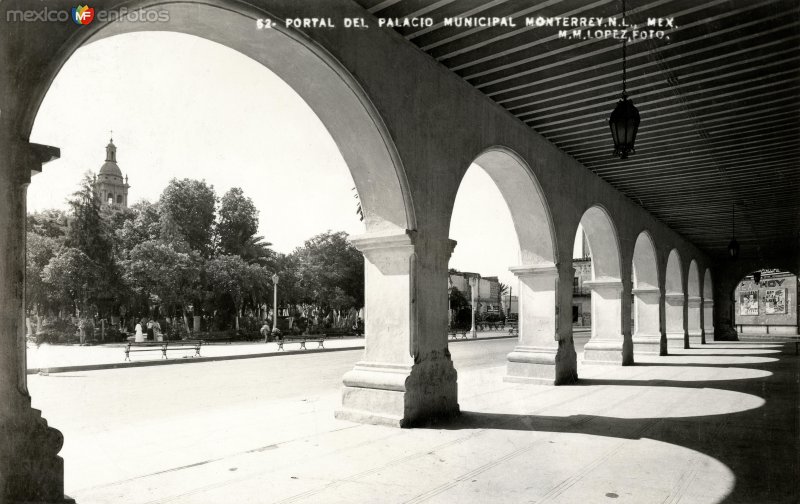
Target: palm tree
pixel 257 251
pixel 502 290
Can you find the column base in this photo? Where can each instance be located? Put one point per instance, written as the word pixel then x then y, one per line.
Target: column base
pixel 401 395
pixel 647 344
pixel 695 339
pixel 605 351
pixel 34 473
pixel 676 341
pixel 543 365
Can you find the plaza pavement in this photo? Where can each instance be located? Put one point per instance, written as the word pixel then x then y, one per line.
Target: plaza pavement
pixel 708 425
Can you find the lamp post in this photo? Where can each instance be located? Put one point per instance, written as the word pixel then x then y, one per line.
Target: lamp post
pixel 275 303
pixel 473 283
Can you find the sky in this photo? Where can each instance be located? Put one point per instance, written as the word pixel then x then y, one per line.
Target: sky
pixel 201 110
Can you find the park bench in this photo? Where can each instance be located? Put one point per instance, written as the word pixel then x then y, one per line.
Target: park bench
pixel 455 332
pixel 512 329
pixel 163 346
pixel 317 338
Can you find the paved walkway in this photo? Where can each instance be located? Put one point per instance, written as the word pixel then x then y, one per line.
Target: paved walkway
pixel 707 425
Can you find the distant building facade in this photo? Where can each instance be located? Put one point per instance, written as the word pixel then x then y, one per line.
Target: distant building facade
pixel 581 293
pixel 487 296
pixel 766 307
pixel 111 188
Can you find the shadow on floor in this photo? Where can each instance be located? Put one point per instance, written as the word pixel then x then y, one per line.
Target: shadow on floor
pixel 761 446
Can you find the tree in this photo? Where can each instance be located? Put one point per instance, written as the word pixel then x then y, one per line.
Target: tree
pixel 331 271
pixel 173 276
pixel 87 231
pixel 51 223
pixel 232 282
pixel 238 222
pixel 502 290
pixel 188 211
pixel 72 278
pixel 143 225
pixel 40 250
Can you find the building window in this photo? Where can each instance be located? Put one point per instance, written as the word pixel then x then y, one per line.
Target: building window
pixel 119 199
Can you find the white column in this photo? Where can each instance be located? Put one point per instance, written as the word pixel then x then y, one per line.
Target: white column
pixel 541 355
pixel 405 376
pixel 607 341
pixel 673 312
pixel 647 338
pixel 693 328
pixel 708 320
pixel 30 468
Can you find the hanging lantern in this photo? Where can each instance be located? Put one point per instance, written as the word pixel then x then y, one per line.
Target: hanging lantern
pixel 624 120
pixel 733 249
pixel 733 246
pixel 624 123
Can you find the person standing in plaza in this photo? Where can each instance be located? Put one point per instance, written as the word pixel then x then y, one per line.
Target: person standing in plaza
pixel 157 335
pixel 150 329
pixel 139 335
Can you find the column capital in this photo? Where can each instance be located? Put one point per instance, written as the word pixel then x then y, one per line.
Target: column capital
pixel 383 240
pixel 708 302
pixel 25 158
pixel 673 296
pixel 646 290
pixel 694 300
pixel 647 293
pixel 604 283
pixel 529 270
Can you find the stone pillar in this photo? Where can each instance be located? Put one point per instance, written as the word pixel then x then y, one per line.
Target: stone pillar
pixel 694 329
pixel 30 468
pixel 542 356
pixel 673 311
pixel 406 376
pixel 607 341
pixel 647 338
pixel 708 320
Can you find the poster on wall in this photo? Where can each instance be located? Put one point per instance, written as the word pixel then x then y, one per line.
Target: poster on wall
pixel 748 303
pixel 775 301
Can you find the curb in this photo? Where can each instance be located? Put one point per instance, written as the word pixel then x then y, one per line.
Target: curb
pixel 166 362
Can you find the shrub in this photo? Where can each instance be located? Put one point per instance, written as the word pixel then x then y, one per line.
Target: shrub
pixel 56 331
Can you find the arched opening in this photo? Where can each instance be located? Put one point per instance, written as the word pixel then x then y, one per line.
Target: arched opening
pixel 606 344
pixel 765 303
pixel 367 150
pixel 694 305
pixel 647 298
pixel 708 307
pixel 535 276
pixel 674 303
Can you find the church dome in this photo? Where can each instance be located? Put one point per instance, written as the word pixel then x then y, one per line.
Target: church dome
pixel 110 167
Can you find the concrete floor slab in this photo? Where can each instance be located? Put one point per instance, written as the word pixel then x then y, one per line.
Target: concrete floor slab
pixel 718 424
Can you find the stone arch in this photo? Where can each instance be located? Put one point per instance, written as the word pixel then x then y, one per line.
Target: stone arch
pixel 533 358
pixel 674 302
pixel 526 203
pixel 325 85
pixel 647 297
pixel 607 340
pixel 603 244
pixel 694 306
pixel 390 245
